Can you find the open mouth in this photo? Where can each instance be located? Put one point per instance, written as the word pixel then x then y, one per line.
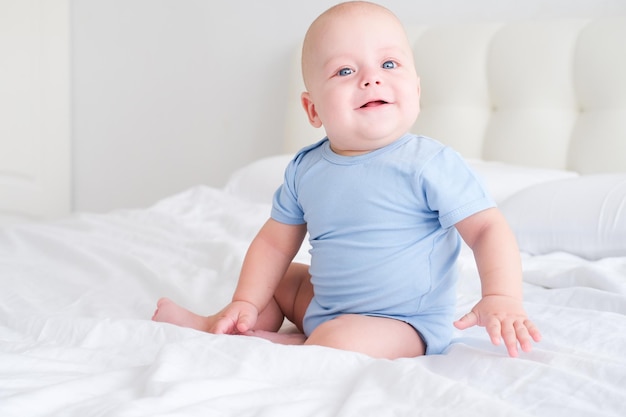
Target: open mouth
pixel 374 103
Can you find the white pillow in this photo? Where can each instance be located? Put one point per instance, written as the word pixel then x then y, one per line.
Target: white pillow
pixel 585 216
pixel 503 180
pixel 259 180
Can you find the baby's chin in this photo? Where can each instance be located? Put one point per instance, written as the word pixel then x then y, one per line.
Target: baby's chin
pixel 361 146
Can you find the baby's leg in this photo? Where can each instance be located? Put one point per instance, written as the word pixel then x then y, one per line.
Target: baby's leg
pixel 291 299
pixel 293 296
pixel 168 311
pixel 294 293
pixel 375 336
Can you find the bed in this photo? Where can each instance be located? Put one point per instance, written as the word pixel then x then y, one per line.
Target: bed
pixel 539 111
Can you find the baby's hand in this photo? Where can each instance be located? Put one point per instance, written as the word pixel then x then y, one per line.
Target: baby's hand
pixel 237 317
pixel 504 318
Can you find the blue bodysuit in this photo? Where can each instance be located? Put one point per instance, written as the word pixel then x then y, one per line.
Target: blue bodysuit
pixel 381 231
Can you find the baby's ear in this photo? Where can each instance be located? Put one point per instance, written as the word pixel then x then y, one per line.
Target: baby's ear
pixel 419 87
pixel 309 108
pixel 419 96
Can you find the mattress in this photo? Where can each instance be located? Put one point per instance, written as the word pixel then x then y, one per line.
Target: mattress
pixel 77 295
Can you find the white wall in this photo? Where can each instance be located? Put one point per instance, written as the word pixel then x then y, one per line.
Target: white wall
pixel 34 110
pixel 168 94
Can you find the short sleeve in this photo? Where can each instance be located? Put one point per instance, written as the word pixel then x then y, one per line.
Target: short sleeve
pixel 452 189
pixel 285 207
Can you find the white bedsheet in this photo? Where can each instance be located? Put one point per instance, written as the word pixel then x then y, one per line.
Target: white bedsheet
pixel 76 338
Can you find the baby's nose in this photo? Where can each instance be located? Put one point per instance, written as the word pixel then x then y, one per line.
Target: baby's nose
pixel 370 78
pixel 368 83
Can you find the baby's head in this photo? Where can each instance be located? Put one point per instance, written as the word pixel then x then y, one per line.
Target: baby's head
pixel 360 77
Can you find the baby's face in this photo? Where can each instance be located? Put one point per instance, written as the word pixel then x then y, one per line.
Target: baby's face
pixel 361 80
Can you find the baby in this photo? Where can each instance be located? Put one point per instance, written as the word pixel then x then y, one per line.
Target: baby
pixel 384 210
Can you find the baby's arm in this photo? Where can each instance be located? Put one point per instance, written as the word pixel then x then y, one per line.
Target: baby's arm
pixel 500 310
pixel 266 262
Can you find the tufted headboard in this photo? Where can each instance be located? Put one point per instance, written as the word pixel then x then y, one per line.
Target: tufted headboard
pixel 548 93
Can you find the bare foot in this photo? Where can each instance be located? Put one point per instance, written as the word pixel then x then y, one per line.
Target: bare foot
pixel 169 312
pixel 290 338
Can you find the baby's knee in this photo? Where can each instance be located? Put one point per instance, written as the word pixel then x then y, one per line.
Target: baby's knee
pixel 338 333
pixel 375 336
pixel 294 293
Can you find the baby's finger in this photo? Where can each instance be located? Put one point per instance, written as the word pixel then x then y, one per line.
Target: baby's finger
pixel 494 329
pixel 533 331
pixel 245 322
pixel 523 336
pixel 224 325
pixel 468 320
pixel 511 333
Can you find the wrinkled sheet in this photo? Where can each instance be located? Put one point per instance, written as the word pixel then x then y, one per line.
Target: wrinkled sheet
pixel 76 297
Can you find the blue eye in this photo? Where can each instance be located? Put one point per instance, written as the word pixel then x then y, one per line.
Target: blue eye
pixel 389 65
pixel 344 71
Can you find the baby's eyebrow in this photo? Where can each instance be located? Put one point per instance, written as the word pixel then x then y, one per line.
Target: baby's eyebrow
pixel 346 59
pixel 337 61
pixel 391 51
pixel 332 65
pixel 395 51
